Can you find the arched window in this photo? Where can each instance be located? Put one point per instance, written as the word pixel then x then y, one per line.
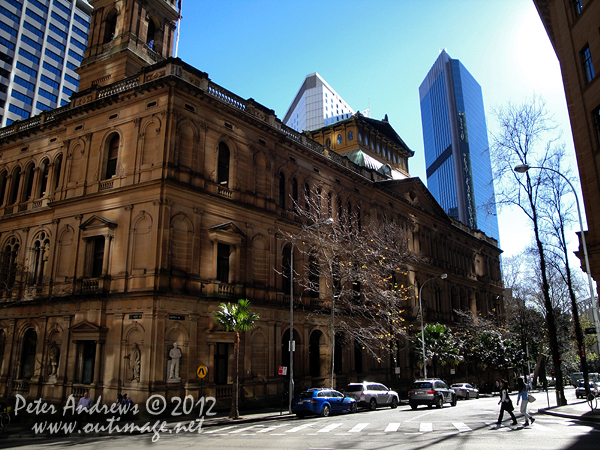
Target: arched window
pixel 57 171
pixel 28 354
pixel 295 194
pixel 285 269
pixel 282 190
pixel 41 251
pixel 313 275
pixel 3 185
pixel 151 34
pixel 8 264
pixel 14 188
pixel 29 173
pixel 44 174
pixel 112 157
pixel 307 197
pixel 223 165
pixel 110 27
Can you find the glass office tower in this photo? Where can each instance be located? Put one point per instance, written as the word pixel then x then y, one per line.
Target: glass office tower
pixel 41 44
pixel 457 158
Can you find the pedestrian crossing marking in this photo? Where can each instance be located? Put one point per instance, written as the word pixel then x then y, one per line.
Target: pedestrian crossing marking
pixel 358 428
pixel 426 427
pixel 219 430
pixel 301 427
pixel 460 426
pixel 271 428
pixel 328 428
pixel 245 429
pixel 392 427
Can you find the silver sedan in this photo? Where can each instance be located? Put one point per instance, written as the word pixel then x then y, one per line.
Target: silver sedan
pixel 465 390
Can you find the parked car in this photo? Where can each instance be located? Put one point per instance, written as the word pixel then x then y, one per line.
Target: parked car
pixel 465 390
pixel 322 402
pixel 430 392
pixel 371 395
pixel 580 389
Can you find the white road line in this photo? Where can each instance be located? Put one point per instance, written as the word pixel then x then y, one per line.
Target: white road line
pixel 460 426
pixel 358 428
pixel 271 428
pixel 219 430
pixel 328 428
pixel 392 427
pixel 301 427
pixel 425 427
pixel 245 429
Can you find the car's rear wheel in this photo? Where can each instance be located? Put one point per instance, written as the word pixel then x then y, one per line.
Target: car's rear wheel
pixel 353 408
pixel 394 404
pixel 373 404
pixel 439 402
pixel 413 406
pixel 467 396
pixel 454 400
pixel 325 411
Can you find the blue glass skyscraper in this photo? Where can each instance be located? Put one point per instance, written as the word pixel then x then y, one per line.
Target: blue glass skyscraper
pixel 457 158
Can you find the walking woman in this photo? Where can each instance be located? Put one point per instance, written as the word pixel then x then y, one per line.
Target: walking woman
pixel 506 403
pixel 524 397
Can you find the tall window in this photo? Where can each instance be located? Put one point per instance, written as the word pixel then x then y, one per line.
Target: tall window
pixel 113 156
pixel 41 251
pixel 282 190
pixel 307 197
pixel 295 194
pixel 223 252
pixel 86 358
pixel 16 181
pixel 223 165
pixel 3 185
pixel 111 28
pixel 44 173
pixel 221 360
pixel 57 169
pixel 28 354
pixel 29 183
pixel 8 264
pixel 151 34
pixel 313 275
pixel 586 62
pixel 596 120
pixel 577 6
pixel 285 269
pixel 98 244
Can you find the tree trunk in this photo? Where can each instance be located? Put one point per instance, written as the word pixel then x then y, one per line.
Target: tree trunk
pixel 234 413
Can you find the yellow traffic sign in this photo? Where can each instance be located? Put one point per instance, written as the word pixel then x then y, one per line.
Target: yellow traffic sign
pixel 202 371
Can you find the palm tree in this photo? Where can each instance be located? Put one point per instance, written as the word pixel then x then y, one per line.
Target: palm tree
pixel 236 318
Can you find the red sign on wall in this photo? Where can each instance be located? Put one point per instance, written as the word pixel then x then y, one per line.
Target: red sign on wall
pixel 282 370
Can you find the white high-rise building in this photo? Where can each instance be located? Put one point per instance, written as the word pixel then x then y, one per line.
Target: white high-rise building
pixel 316 105
pixel 42 42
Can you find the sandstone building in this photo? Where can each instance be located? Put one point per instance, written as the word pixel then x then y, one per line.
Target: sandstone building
pixel 128 215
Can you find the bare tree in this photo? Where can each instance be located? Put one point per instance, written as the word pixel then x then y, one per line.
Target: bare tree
pixel 356 272
pixel 527 137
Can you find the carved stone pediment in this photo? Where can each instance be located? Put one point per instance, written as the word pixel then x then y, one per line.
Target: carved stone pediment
pixel 87 331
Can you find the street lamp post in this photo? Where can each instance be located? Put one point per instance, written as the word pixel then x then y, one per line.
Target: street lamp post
pixel 522 168
pixel 443 277
pixel 327 221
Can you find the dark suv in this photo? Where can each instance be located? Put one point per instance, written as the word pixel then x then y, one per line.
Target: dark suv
pixel 430 391
pixel 371 395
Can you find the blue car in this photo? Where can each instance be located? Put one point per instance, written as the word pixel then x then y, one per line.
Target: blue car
pixel 322 402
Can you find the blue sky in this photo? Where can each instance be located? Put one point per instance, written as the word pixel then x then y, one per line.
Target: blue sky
pixel 375 54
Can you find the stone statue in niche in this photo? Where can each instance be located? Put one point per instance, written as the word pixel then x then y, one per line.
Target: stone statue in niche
pixel 53 355
pixel 135 362
pixel 173 363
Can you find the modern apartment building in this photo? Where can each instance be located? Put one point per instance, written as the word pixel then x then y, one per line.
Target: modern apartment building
pixel 42 42
pixel 316 105
pixel 459 172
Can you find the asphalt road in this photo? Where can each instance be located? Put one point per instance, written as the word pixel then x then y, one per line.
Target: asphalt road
pixel 469 426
